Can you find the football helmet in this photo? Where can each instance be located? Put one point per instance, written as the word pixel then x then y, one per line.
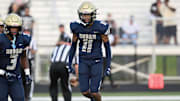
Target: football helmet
pixel 13 21
pixel 87 8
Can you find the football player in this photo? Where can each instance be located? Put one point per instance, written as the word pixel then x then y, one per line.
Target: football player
pixel 91 33
pixel 1 25
pixel 12 54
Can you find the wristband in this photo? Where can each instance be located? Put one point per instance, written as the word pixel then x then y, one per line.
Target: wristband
pixel 27 71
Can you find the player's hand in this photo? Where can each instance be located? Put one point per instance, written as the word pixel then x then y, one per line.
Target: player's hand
pixel 10 76
pixel 28 79
pixel 107 72
pixel 70 69
pixel 74 82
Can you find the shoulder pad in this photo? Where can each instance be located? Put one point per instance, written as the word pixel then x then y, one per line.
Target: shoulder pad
pixel 104 27
pixel 73 26
pixel 27 39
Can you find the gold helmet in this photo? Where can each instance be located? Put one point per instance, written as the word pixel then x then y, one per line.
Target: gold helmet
pixel 13 20
pixel 87 8
pixel 1 22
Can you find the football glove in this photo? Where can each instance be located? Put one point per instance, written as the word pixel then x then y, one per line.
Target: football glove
pixel 107 71
pixel 28 79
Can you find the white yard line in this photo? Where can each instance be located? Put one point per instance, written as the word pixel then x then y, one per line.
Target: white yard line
pixel 118 98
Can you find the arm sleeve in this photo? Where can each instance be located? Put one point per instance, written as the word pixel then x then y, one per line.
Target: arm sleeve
pixel 108 53
pixel 72 52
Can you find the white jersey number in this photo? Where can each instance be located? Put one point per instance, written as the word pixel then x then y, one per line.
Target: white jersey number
pixel 87 45
pixel 13 62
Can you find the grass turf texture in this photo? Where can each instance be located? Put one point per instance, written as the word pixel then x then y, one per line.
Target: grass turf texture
pixel 123 94
pixel 171 65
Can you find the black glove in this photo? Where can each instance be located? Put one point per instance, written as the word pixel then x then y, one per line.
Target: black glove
pixel 10 76
pixel 28 79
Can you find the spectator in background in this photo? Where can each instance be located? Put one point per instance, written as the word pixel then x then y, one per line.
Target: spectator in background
pixel 14 8
pixel 155 13
pixel 155 9
pixel 18 7
pixel 1 26
pixel 63 35
pixel 28 21
pixel 130 29
pixel 169 23
pixel 113 30
pixel 23 2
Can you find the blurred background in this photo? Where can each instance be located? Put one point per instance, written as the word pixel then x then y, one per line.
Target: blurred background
pixel 144 36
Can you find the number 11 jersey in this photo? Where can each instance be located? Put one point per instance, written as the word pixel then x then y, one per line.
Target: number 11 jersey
pixel 90 45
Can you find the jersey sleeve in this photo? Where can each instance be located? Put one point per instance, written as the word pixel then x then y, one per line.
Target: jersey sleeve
pixel 27 40
pixel 104 28
pixel 73 27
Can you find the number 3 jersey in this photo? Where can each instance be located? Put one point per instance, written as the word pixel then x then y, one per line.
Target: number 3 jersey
pixel 90 45
pixel 9 55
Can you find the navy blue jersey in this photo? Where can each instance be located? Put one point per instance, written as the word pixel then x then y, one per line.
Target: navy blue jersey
pixel 90 38
pixel 9 56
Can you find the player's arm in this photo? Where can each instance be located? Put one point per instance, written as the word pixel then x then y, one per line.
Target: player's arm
pixel 25 65
pixel 76 66
pixel 72 52
pixel 24 61
pixel 108 52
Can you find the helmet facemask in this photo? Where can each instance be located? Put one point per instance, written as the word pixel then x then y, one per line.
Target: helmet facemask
pixel 87 18
pixel 13 30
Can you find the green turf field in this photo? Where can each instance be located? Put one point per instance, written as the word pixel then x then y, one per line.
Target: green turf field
pixel 120 96
pixel 124 94
pixel 171 65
